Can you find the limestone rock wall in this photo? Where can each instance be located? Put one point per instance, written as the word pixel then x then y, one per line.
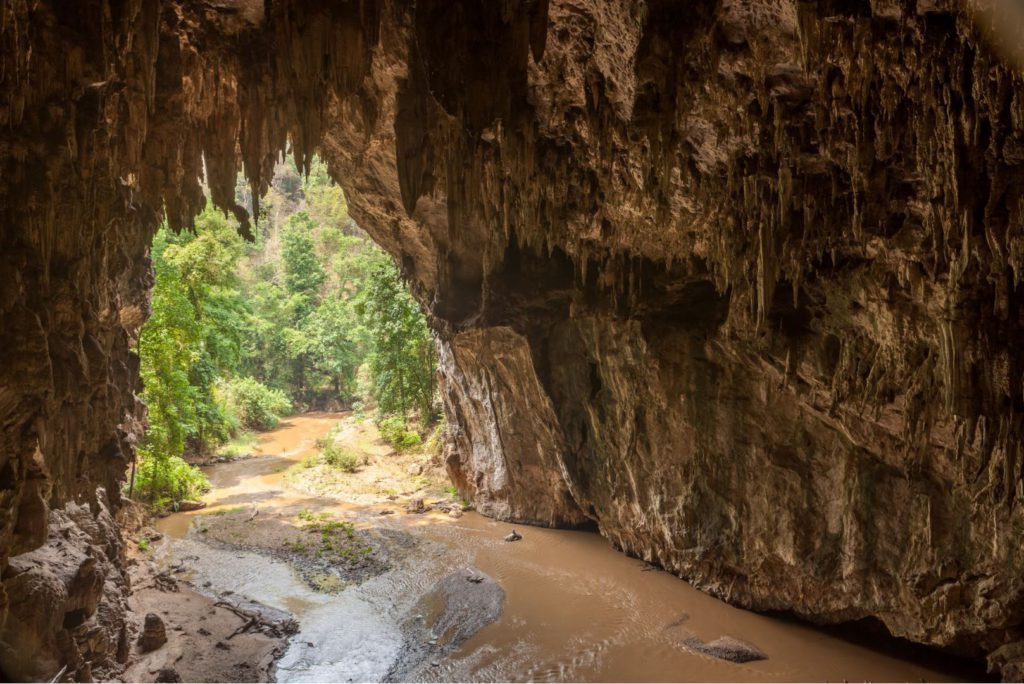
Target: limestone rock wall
pixel 736 281
pixel 68 603
pixel 507 452
pixel 764 256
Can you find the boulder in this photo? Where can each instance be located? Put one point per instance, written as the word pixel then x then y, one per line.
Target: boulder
pixel 727 648
pixel 154 634
pixel 416 506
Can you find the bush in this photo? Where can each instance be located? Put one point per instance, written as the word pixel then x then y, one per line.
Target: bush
pixel 340 457
pixel 408 440
pixel 168 480
pixel 256 406
pixel 394 432
pixel 434 443
pixel 242 445
pixel 328 439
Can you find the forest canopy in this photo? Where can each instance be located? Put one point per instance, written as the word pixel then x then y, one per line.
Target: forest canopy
pixel 310 315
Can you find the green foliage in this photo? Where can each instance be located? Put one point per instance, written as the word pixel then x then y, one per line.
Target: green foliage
pixel 434 443
pixel 342 458
pixel 205 264
pixel 403 360
pixel 303 274
pixel 257 406
pixel 326 341
pixel 329 438
pixel 335 455
pixel 169 347
pixel 144 544
pixel 269 354
pixel 325 202
pixel 337 541
pixel 242 444
pixel 166 481
pixel 328 583
pixel 167 351
pixel 393 430
pixel 312 313
pixel 318 313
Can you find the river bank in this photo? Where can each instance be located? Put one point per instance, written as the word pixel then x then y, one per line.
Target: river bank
pixel 380 593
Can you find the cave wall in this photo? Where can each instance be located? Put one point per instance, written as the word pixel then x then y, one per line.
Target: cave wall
pixel 765 258
pixel 735 281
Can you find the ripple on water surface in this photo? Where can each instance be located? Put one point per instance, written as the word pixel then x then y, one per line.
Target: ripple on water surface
pixel 574 608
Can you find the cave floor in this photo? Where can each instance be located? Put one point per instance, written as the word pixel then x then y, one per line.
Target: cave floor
pixel 360 574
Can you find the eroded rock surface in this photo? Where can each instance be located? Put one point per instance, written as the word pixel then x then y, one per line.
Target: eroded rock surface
pixel 66 601
pixel 454 610
pixel 737 281
pixel 154 634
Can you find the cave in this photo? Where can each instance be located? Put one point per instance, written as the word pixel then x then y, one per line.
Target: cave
pixel 735 283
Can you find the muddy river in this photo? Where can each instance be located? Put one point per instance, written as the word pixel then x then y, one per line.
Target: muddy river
pixel 574 608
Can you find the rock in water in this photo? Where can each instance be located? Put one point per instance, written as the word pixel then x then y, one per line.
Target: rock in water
pixel 455 609
pixel 154 635
pixel 513 536
pixel 416 506
pixel 727 648
pixel 190 506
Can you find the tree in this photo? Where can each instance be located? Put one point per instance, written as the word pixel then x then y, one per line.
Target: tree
pixel 303 274
pixel 329 338
pixel 206 263
pixel 403 360
pixel 167 350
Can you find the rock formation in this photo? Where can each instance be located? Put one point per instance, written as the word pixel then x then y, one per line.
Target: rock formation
pixel 66 603
pixel 154 634
pixel 736 281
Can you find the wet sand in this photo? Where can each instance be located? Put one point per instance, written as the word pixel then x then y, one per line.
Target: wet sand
pixel 574 608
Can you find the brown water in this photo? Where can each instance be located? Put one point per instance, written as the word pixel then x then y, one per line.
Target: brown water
pixel 575 608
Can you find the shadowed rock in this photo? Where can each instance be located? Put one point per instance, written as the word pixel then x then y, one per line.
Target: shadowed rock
pixel 168 674
pixel 727 648
pixel 154 635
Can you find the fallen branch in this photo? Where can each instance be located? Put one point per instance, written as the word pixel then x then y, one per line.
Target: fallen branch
pixel 253 620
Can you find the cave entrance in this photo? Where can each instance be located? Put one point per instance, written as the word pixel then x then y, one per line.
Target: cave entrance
pixel 308 315
pixel 290 385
